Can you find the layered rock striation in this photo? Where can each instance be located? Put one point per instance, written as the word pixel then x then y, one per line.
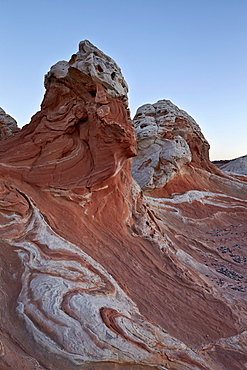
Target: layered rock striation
pixel 100 270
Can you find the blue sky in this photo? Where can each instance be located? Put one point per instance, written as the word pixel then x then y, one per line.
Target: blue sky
pixel 192 52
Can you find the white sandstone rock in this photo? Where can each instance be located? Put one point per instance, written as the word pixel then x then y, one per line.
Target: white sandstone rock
pixel 238 166
pixel 8 125
pixel 93 62
pixel 161 144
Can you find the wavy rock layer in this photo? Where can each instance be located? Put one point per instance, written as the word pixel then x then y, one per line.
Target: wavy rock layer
pixel 95 272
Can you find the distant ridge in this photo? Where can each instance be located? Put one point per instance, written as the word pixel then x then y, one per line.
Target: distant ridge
pixel 237 165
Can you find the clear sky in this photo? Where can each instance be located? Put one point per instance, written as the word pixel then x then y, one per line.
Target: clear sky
pixel 192 52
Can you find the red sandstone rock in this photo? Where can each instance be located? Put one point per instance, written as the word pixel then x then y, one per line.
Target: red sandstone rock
pixel 97 274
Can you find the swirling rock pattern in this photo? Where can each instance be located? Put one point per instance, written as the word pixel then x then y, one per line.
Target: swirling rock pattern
pixel 75 309
pixel 97 273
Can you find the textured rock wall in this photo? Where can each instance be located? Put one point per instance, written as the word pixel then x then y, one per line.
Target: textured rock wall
pixel 97 273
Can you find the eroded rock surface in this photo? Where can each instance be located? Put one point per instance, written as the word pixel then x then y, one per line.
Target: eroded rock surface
pixel 97 273
pixel 167 140
pixel 8 125
pixel 162 148
pixel 99 66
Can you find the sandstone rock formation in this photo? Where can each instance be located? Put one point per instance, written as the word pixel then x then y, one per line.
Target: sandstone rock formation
pixel 162 132
pixel 8 125
pixel 97 273
pixel 234 166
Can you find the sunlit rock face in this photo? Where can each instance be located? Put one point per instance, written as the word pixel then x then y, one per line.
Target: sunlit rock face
pixel 98 271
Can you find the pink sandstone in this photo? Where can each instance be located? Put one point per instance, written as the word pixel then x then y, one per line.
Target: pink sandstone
pixel 97 273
